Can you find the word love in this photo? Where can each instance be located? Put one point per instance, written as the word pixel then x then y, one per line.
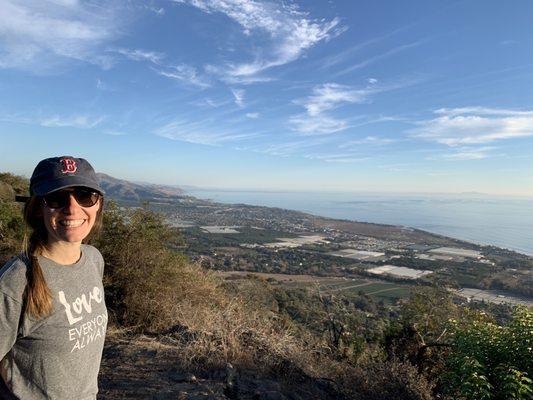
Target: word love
pixel 74 311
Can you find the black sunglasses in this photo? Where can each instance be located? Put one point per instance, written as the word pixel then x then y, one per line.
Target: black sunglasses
pixel 84 197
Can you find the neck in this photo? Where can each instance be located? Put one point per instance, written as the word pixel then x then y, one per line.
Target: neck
pixel 63 252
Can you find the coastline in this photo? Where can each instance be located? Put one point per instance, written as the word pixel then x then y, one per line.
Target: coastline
pixel 333 208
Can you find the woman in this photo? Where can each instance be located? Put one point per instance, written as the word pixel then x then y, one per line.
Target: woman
pixel 53 316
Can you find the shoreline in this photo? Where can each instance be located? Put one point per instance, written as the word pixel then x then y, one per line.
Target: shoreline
pixel 475 242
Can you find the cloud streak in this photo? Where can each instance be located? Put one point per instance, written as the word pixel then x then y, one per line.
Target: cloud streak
pixel 474 125
pixel 76 121
pixel 194 133
pixel 289 32
pixel 380 57
pixel 336 158
pixel 470 153
pixel 369 140
pixel 238 95
pixel 324 98
pixel 39 36
pixel 185 74
pixel 141 55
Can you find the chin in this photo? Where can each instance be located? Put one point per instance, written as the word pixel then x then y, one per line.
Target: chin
pixel 72 235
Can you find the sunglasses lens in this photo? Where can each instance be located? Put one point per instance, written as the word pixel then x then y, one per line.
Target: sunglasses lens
pixel 84 197
pixel 57 199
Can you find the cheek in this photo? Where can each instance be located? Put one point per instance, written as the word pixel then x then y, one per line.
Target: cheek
pixel 48 219
pixel 92 214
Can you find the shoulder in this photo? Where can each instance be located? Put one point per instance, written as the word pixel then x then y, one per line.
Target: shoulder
pixel 93 255
pixel 13 278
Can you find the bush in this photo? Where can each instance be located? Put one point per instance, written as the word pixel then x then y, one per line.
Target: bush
pixel 389 380
pixel 11 220
pixel 152 289
pixel 490 361
pixel 144 280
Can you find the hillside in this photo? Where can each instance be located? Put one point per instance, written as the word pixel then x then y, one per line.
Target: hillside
pixel 181 329
pixel 120 189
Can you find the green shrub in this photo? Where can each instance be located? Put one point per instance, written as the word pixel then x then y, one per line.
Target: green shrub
pixel 490 361
pixel 144 279
pixel 11 220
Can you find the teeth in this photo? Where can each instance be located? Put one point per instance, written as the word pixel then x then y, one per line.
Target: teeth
pixel 71 222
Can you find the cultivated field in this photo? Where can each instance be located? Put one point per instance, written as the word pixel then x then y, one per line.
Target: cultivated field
pixel 386 291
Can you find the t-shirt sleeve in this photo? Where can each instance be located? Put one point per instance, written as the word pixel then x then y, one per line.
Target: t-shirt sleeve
pixel 10 312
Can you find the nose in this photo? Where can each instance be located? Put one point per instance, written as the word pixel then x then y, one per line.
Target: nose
pixel 72 205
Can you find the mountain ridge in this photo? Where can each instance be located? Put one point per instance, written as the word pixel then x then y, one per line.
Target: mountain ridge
pixel 127 190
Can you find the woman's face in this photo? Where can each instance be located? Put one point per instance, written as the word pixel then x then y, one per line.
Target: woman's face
pixel 71 223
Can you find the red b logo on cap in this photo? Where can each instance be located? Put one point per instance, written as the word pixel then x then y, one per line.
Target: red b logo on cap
pixel 69 166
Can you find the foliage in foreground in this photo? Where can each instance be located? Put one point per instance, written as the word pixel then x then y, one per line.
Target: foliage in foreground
pixel 489 361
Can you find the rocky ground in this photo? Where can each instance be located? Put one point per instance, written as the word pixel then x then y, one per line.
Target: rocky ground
pixel 143 367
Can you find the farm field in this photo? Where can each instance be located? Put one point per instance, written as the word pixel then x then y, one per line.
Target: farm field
pixel 381 290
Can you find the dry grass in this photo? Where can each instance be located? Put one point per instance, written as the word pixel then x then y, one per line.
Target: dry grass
pixel 153 292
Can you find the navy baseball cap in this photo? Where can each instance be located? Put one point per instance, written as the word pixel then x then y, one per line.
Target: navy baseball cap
pixel 52 174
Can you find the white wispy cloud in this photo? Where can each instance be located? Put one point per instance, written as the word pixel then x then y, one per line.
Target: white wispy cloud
pixel 289 148
pixel 452 112
pixel 317 125
pixel 470 153
pixel 253 115
pixel 336 158
pixel 324 98
pixel 39 36
pixel 114 133
pixel 380 57
pixel 194 133
pixel 331 95
pixel 157 10
pixel 141 55
pixel 369 140
pixel 238 94
pixel 185 74
pixel 290 31
pixel 210 103
pixel 348 54
pixel 76 121
pixel 474 125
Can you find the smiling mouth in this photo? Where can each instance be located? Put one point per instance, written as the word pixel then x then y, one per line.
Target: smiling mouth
pixel 71 223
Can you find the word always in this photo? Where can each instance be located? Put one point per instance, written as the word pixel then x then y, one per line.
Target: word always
pixel 88 332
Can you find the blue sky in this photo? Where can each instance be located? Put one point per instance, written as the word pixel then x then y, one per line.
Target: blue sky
pixel 388 96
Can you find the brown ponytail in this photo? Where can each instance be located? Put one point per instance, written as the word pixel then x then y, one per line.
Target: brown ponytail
pixel 38 297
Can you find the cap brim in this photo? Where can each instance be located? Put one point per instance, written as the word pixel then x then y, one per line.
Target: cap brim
pixel 63 183
pixel 21 199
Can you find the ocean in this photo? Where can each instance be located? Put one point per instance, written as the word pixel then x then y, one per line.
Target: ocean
pixel 500 221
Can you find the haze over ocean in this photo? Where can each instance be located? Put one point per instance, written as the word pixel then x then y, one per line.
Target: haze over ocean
pixel 503 222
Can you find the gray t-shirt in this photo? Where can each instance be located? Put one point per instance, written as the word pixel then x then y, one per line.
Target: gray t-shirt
pixel 57 357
